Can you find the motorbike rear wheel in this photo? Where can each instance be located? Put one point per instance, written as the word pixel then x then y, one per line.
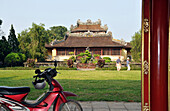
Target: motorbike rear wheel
pixel 70 105
pixel 4 108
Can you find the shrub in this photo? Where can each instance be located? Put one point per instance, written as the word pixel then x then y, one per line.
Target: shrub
pixel 22 57
pixel 101 63
pixel 95 61
pixel 96 55
pixel 71 53
pixel 30 62
pixel 107 59
pixel 70 63
pixel 14 59
pixel 81 54
pixel 73 58
pixel 83 60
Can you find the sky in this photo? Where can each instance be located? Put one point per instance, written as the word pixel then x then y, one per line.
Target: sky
pixel 123 17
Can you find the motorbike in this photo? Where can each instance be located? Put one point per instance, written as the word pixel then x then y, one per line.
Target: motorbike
pixel 55 99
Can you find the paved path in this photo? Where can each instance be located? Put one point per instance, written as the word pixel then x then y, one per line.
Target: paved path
pixel 110 106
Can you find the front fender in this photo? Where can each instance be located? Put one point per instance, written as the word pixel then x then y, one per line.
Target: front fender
pixel 68 94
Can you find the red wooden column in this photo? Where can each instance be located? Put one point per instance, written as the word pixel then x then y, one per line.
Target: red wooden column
pixel 159 56
pixel 145 73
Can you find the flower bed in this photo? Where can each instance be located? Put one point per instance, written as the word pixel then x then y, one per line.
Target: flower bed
pixel 86 66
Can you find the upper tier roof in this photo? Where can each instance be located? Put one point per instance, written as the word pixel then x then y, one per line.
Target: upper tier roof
pixel 89 26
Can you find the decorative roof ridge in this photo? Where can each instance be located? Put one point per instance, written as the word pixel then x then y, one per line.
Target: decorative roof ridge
pixel 90 34
pixel 56 41
pixel 122 41
pixel 89 22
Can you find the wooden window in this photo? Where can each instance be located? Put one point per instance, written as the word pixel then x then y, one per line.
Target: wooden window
pixel 115 51
pixel 96 51
pixel 60 51
pixel 106 51
pixel 78 51
pixel 69 50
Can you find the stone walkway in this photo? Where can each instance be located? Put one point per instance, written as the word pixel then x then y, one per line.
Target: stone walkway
pixel 110 106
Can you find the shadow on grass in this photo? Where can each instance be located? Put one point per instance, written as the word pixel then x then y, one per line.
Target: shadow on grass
pixel 87 90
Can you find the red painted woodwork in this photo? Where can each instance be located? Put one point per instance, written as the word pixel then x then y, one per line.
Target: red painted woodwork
pixel 159 56
pixel 146 51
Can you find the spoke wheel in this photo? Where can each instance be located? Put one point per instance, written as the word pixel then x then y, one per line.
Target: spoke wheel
pixel 71 105
pixel 4 108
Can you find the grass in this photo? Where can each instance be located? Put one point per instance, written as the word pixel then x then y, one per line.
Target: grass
pixel 88 85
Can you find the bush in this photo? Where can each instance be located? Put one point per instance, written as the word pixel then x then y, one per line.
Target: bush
pixel 73 58
pixel 96 55
pixel 14 59
pixel 22 56
pixel 83 60
pixel 71 53
pixel 70 63
pixel 107 59
pixel 81 54
pixel 30 62
pixel 101 63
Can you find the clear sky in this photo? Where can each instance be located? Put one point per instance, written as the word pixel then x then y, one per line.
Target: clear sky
pixel 123 17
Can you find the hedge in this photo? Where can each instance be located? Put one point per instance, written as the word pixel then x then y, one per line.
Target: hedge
pixel 30 68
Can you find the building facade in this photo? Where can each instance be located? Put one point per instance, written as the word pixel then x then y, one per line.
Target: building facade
pixel 90 35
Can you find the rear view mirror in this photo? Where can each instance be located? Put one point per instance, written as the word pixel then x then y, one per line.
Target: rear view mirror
pixel 37 71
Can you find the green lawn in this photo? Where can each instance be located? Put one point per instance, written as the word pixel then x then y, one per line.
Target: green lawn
pixel 88 85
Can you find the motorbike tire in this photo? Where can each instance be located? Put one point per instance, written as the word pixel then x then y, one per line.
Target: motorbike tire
pixel 4 108
pixel 70 105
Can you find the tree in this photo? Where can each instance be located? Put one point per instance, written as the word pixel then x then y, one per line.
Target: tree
pixel 32 41
pixel 0 22
pixel 57 32
pixel 5 49
pixel 13 41
pixel 136 46
pixel 1 32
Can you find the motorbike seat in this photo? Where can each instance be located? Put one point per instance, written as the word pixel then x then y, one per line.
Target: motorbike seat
pixel 4 90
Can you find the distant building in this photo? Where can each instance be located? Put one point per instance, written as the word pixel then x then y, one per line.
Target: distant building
pixel 88 34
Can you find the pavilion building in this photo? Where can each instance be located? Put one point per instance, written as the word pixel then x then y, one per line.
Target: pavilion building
pixel 88 34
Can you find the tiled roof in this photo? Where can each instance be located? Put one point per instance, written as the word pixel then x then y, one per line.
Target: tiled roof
pixel 89 27
pixel 86 42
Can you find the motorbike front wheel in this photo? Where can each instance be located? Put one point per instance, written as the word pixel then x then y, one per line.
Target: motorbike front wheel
pixel 4 108
pixel 70 105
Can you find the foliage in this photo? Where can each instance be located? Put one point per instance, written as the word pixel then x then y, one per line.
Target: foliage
pixel 70 63
pixel 0 22
pixel 83 60
pixel 71 53
pixel 136 46
pixel 57 32
pixel 96 55
pixel 1 32
pixel 30 62
pixel 13 41
pixel 81 54
pixel 5 49
pixel 32 42
pixel 73 58
pixel 101 63
pixel 107 59
pixel 85 56
pixel 14 59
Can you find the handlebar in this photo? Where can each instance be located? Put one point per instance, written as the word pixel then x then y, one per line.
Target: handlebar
pixel 47 74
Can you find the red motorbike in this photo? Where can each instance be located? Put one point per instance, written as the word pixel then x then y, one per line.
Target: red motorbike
pixel 55 99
